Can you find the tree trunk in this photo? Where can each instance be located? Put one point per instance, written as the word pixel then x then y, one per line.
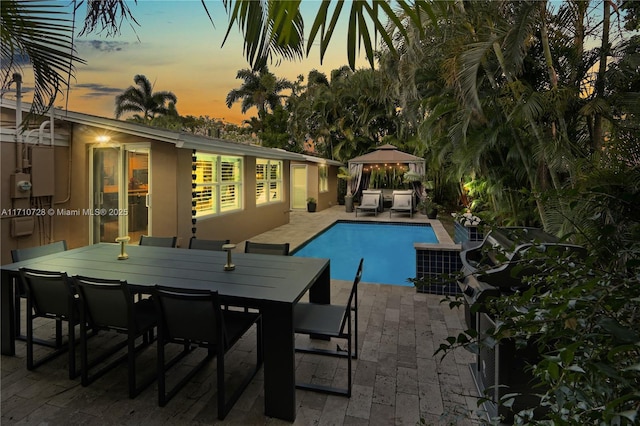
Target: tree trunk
pixel 598 131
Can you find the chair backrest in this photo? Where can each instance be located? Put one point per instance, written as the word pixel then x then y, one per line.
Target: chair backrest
pixel 106 303
pixel 146 240
pixel 193 315
pixel 370 200
pixel 377 193
pixel 18 255
pixel 49 292
pixel 267 248
pixel 353 296
pixel 214 245
pixel 403 200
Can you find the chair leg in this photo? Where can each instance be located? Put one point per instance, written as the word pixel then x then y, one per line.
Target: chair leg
pixel 72 349
pixel 164 366
pixel 58 333
pixel 349 356
pixel 29 335
pixel 225 405
pixel 355 314
pixel 259 344
pixel 161 371
pixel 222 407
pixel 84 361
pixel 16 304
pixel 131 363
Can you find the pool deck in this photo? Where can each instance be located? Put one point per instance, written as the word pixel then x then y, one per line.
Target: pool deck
pixel 303 226
pixel 397 378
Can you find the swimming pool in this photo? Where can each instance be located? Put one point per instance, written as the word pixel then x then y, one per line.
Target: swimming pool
pixel 387 249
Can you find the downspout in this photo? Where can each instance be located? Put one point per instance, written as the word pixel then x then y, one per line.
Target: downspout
pixel 69 169
pixel 17 78
pixel 68 197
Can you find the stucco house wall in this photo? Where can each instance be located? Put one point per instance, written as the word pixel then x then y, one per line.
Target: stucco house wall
pixel 170 164
pixel 324 199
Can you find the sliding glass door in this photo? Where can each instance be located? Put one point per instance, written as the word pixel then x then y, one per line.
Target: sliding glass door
pixel 119 192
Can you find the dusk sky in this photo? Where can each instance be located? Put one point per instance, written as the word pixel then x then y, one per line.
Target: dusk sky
pixel 180 51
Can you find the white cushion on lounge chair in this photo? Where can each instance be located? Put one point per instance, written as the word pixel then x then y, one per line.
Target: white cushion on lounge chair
pixel 402 202
pixel 370 200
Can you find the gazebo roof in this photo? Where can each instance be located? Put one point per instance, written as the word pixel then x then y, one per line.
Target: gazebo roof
pixel 386 154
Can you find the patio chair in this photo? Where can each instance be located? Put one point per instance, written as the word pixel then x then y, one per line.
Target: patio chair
pixel 194 317
pixel 267 248
pixel 109 305
pixel 146 240
pixel 402 202
pixel 200 244
pixel 51 295
pixel 327 320
pixel 371 202
pixel 18 255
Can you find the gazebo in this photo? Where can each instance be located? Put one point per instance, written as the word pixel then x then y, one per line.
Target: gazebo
pixel 385 158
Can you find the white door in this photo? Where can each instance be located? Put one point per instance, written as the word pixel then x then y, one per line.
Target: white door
pixel 298 186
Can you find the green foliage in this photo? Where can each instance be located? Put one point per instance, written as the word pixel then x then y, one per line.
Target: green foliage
pixel 274 131
pixel 580 313
pixel 346 115
pixel 343 173
pixel 275 28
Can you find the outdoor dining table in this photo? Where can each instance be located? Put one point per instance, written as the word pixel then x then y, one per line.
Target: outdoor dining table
pixel 272 284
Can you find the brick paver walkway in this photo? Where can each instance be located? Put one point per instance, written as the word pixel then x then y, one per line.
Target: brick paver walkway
pixel 397 379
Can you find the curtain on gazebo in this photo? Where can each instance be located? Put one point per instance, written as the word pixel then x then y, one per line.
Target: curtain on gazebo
pixel 385 154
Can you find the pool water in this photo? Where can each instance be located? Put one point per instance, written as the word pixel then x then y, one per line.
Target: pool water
pixel 387 249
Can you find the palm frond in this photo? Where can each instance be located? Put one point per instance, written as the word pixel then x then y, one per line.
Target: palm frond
pixel 470 62
pixel 269 28
pixel 42 32
pixel 518 38
pixel 106 16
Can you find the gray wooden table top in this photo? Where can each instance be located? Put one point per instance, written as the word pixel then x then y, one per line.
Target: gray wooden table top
pixel 256 277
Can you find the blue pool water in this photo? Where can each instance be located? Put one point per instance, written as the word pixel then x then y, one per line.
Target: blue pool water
pixel 387 249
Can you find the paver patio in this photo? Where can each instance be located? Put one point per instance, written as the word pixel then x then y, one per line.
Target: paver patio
pixel 397 380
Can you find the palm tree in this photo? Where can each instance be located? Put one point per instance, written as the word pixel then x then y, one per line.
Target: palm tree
pixel 345 116
pixel 143 100
pixel 40 32
pixel 261 89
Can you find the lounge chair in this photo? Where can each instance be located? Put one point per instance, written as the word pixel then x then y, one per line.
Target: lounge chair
pixel 371 202
pixel 402 202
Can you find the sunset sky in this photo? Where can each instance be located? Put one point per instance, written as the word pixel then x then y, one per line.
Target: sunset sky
pixel 180 51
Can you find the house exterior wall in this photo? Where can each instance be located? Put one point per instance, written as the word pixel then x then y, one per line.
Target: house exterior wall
pixel 164 160
pixel 329 198
pixel 312 183
pixel 253 219
pixel 325 199
pixel 170 171
pixel 47 227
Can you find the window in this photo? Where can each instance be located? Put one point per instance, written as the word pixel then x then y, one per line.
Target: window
pixel 268 181
pixel 218 180
pixel 323 178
